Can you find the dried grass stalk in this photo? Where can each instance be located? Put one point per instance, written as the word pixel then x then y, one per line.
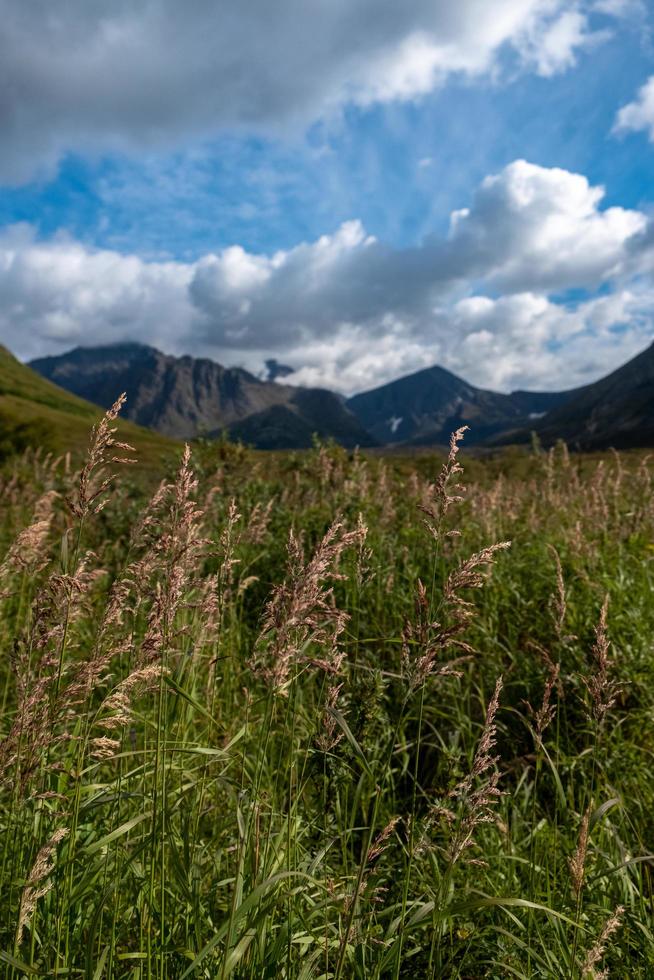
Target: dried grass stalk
pixel 443 493
pixel 301 614
pixel 432 638
pixel 478 791
pixel 596 952
pixel 544 715
pixel 602 689
pixel 38 883
pixel 93 481
pixel 577 863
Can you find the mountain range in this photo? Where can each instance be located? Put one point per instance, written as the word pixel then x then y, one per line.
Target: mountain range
pixel 425 407
pixel 183 397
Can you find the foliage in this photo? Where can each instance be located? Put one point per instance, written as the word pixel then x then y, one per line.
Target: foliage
pixel 307 716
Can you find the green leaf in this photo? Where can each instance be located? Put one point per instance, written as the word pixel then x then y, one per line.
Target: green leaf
pixel 250 902
pixel 345 728
pixel 17 964
pixel 118 832
pixel 178 689
pixel 521 903
pixel 640 859
pixel 597 814
pixel 101 964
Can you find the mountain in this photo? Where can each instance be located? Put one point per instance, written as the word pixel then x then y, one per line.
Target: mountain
pixel 35 412
pixel 616 411
pixel 313 411
pixel 425 407
pixel 184 397
pixel 276 370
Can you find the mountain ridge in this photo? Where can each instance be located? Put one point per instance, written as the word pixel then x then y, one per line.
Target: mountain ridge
pixel 616 411
pixel 440 402
pixel 185 397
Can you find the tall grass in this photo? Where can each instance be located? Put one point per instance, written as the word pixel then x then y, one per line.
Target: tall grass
pixel 312 717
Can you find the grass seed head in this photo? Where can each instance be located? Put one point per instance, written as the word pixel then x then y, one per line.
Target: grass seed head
pixel 577 863
pixel 596 952
pixel 93 481
pixel 479 790
pixel 38 883
pixel 602 688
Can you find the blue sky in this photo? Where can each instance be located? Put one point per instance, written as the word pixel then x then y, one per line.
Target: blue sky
pixel 400 168
pixel 198 198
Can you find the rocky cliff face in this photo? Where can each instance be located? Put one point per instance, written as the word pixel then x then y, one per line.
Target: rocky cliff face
pixel 185 397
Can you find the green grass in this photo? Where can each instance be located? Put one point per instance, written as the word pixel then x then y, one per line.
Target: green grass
pixel 298 783
pixel 35 412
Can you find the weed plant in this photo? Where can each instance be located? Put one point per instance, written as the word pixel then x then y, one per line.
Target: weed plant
pixel 310 716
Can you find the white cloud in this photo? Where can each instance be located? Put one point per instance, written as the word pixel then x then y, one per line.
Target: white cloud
pixel 533 227
pixel 92 77
pixel 553 48
pixel 639 114
pixel 528 341
pixel 520 341
pixel 620 8
pixel 350 312
pixel 59 293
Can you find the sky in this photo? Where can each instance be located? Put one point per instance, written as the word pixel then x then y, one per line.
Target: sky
pixel 356 188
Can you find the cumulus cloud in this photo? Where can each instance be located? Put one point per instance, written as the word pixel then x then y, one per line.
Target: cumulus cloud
pixel 92 77
pixel 533 227
pixel 520 341
pixel 633 9
pixel 528 341
pixel 58 293
pixel 355 312
pixel 528 229
pixel 639 114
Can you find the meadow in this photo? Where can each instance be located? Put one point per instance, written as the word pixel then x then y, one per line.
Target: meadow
pixel 326 715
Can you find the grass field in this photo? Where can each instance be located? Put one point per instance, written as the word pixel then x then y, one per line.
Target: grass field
pixel 310 716
pixel 35 412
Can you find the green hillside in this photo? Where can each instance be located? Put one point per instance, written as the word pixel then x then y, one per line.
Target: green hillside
pixel 35 412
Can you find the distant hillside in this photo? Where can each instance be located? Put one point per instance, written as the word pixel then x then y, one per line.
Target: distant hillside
pixel 35 412
pixel 185 397
pixel 312 411
pixel 616 411
pixel 425 407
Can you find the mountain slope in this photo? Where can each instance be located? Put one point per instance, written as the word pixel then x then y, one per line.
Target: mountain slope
pixel 427 406
pixel 177 396
pixel 185 397
pixel 33 411
pixel 311 411
pixel 617 410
